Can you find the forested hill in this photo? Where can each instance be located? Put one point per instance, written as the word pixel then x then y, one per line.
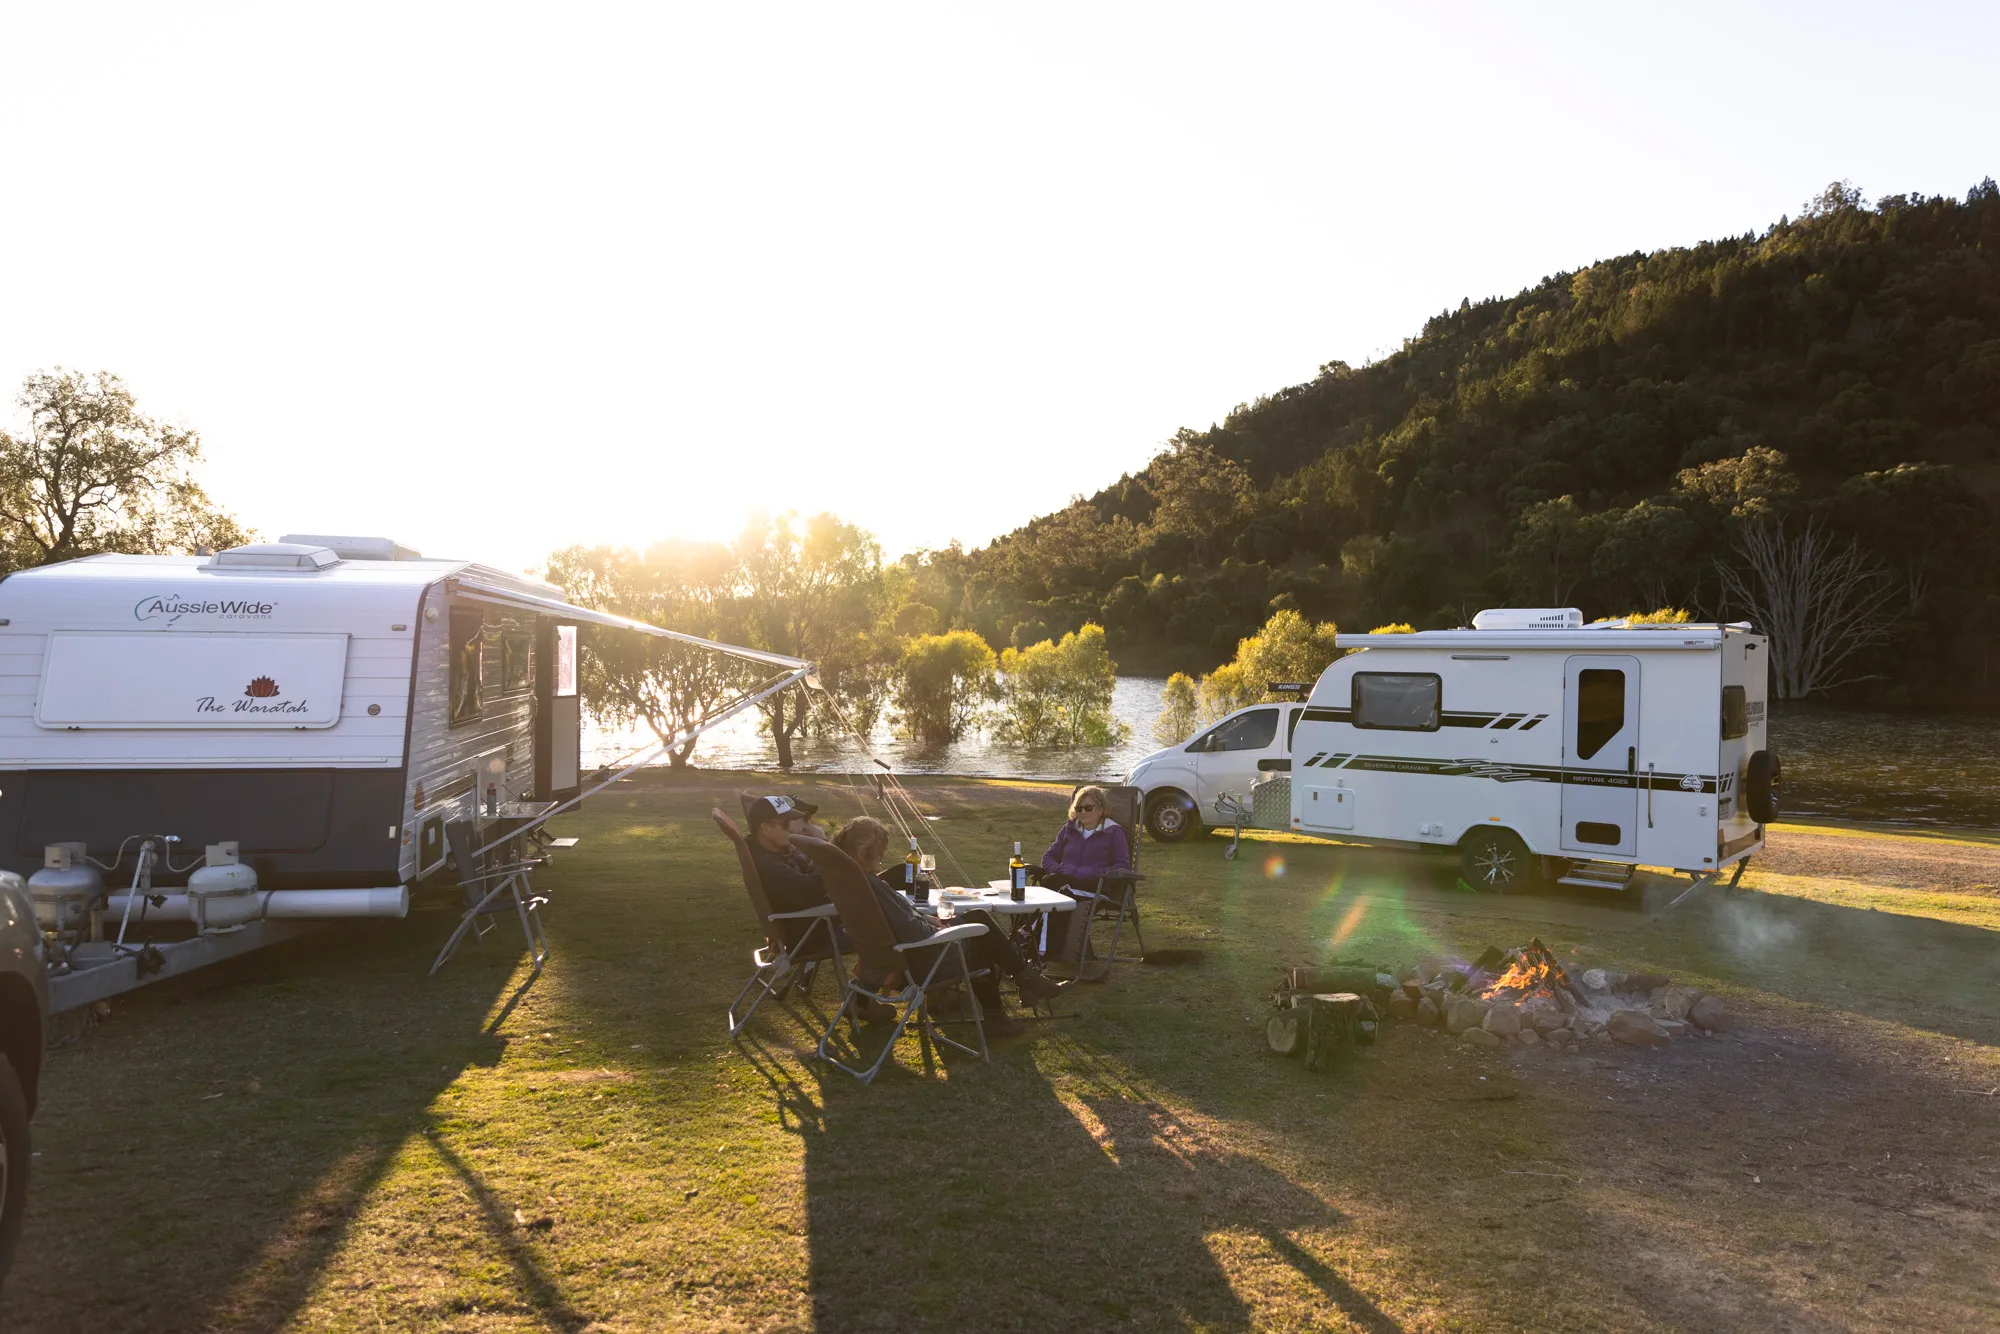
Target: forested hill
pixel 1602 439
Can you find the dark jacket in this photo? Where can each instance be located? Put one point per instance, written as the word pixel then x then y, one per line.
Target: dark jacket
pixel 791 881
pixel 904 920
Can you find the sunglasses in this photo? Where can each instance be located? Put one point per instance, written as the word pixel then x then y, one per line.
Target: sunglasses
pixel 1088 807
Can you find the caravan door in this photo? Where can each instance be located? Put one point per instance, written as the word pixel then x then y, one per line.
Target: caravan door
pixel 1600 787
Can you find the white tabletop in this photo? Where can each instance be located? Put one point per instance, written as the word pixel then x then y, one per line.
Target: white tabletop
pixel 1035 899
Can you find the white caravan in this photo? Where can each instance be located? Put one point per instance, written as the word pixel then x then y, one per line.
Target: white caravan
pixel 1532 743
pixel 325 704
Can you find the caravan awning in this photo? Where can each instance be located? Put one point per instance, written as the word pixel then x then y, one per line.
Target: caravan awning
pixel 509 597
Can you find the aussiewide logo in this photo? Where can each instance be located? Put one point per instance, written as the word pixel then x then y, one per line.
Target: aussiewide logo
pixel 1690 782
pixel 170 607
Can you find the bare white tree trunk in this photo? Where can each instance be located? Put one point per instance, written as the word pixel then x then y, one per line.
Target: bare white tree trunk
pixel 1820 600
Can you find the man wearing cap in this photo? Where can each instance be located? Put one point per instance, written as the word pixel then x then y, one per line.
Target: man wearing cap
pixel 791 881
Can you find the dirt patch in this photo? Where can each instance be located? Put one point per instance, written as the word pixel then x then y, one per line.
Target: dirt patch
pixel 1950 868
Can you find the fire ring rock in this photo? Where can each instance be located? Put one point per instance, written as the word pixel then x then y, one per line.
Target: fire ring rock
pixel 1461 1014
pixel 1502 1021
pixel 1709 1013
pixel 1636 1028
pixel 1672 1002
pixel 1478 1037
pixel 1427 1012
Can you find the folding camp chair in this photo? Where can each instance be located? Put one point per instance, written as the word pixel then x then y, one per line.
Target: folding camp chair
pixel 485 880
pixel 781 961
pixel 905 974
pixel 1116 896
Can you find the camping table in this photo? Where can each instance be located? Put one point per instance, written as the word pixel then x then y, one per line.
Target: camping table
pixel 997 900
pixel 510 816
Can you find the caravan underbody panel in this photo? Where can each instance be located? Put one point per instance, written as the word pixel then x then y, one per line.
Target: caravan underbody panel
pixel 299 828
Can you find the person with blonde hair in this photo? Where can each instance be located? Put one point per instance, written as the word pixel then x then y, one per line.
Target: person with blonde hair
pixel 867 842
pixel 1087 848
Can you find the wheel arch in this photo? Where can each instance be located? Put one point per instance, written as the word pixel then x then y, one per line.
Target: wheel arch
pixel 21 1037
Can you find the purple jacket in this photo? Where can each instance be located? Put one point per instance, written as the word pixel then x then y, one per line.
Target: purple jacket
pixel 1088 858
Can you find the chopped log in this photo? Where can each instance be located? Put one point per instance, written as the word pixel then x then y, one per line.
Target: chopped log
pixel 1283 1033
pixel 1330 1028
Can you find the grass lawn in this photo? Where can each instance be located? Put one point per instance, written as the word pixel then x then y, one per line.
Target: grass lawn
pixel 322 1138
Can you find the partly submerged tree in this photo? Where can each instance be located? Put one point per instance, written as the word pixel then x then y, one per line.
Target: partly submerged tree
pixel 1289 649
pixel 627 678
pixel 1058 693
pixel 91 473
pixel 808 589
pixel 942 681
pixel 1180 711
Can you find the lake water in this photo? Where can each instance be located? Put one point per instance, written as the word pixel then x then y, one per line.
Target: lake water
pixel 1895 767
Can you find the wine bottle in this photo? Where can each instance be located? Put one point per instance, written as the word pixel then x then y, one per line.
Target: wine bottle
pixel 1017 876
pixel 911 885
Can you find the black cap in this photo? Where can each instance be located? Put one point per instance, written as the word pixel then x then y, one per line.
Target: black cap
pixel 762 810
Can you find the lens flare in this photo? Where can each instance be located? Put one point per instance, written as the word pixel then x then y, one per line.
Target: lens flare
pixel 1274 866
pixel 1349 922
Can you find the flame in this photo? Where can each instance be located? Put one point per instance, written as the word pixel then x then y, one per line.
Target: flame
pixel 1528 976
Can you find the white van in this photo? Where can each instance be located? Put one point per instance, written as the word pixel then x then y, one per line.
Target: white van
pixel 1181 782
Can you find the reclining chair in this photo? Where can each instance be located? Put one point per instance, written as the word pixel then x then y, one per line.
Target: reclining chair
pixel 795 943
pixel 1117 896
pixel 900 975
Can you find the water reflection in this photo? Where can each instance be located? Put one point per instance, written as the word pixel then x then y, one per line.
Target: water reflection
pixel 1903 768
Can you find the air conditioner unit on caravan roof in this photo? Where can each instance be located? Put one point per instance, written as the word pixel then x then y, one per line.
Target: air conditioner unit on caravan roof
pixel 1528 618
pixel 357 548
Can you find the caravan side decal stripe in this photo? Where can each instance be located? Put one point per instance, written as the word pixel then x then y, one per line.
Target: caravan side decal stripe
pixel 1501 772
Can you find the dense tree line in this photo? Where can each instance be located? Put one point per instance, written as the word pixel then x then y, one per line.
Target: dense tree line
pixel 1617 438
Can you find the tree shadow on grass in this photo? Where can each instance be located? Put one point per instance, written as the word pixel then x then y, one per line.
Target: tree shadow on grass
pixel 209 1145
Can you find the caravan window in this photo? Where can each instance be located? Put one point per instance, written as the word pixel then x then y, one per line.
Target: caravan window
pixel 1600 708
pixel 467 668
pixel 514 655
pixel 1397 701
pixel 1735 713
pixel 1254 730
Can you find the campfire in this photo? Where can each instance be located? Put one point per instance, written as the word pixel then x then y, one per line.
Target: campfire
pixel 1521 997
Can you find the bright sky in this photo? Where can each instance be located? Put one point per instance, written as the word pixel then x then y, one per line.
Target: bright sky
pixel 493 279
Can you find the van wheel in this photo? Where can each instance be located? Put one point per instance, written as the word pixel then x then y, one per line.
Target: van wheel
pixel 13 1163
pixel 1171 817
pixel 1495 861
pixel 1761 780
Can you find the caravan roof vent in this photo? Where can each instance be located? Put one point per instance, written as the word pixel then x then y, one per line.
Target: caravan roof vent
pixel 1528 618
pixel 357 548
pixel 273 556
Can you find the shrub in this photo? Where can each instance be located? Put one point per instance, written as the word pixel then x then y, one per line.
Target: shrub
pixel 1059 693
pixel 941 682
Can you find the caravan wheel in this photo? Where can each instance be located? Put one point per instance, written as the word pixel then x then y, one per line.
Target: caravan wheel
pixel 1495 861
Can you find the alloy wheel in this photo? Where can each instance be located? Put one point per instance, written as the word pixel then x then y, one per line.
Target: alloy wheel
pixel 1494 864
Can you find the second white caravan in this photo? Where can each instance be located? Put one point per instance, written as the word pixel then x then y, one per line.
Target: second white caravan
pixel 1533 745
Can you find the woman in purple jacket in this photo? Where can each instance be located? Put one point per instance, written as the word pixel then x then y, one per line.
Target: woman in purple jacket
pixel 1091 844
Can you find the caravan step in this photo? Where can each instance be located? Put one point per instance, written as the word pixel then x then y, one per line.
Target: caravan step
pixel 1599 875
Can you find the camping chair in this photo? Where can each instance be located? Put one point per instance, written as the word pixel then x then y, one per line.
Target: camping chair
pixel 905 974
pixel 487 878
pixel 1117 896
pixel 781 962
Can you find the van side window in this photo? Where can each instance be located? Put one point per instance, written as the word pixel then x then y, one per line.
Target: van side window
pixel 1735 713
pixel 1397 701
pixel 1254 730
pixel 1600 708
pixel 1291 726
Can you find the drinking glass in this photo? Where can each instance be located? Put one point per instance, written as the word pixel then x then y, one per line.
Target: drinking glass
pixel 927 862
